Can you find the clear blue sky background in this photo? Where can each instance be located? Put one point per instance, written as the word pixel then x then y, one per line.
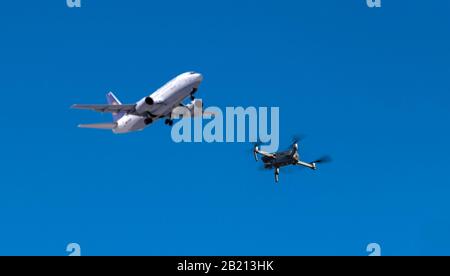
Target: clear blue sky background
pixel 369 86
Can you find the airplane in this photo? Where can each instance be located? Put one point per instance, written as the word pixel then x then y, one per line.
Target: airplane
pixel 160 104
pixel 289 157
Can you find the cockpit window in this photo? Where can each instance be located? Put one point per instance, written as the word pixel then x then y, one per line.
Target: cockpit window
pixel 192 73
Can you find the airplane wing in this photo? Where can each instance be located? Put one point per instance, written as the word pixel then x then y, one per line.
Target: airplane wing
pixel 112 108
pixel 204 114
pixel 99 126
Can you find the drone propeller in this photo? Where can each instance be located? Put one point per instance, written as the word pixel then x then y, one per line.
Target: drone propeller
pixel 323 159
pixel 295 140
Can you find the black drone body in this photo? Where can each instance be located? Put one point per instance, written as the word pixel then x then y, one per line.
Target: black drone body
pixel 289 157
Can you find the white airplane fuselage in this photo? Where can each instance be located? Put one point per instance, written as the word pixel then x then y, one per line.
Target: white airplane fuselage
pixel 160 103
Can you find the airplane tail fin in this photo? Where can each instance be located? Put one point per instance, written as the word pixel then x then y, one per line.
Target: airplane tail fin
pixel 112 99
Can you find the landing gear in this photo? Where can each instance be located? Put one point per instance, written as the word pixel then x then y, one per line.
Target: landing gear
pixel 168 122
pixel 148 121
pixel 277 173
pixel 192 93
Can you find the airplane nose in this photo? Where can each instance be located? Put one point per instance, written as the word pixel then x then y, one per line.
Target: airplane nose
pixel 194 76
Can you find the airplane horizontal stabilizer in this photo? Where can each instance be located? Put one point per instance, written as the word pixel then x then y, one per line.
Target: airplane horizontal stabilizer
pixel 113 108
pixel 100 126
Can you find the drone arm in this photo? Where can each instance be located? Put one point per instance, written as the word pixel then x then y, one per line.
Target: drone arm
pixel 308 165
pixel 257 151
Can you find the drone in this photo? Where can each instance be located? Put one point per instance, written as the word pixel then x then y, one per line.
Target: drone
pixel 289 157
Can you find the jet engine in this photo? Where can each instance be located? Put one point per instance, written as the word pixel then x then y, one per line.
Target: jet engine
pixel 144 105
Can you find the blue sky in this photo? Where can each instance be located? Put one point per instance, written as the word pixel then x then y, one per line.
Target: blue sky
pixel 368 86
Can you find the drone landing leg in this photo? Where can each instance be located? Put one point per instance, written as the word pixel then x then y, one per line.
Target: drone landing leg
pixel 277 173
